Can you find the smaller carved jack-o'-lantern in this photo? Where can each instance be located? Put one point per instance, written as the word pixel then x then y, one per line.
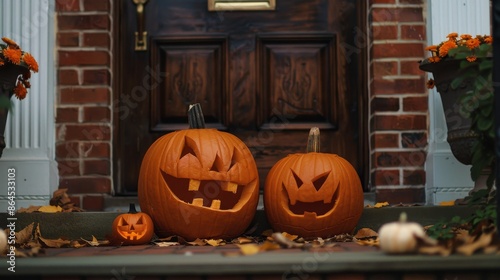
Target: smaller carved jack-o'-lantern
pixel 132 228
pixel 313 194
pixel 199 182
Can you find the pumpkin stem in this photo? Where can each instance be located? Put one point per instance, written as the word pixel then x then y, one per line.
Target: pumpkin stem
pixel 132 209
pixel 195 116
pixel 313 141
pixel 403 217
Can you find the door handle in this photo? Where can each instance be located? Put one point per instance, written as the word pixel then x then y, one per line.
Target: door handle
pixel 141 35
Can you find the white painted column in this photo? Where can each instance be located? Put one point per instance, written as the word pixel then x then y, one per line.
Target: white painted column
pixel 30 125
pixel 448 179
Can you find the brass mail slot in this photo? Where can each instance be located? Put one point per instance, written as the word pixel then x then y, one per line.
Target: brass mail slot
pixel 241 5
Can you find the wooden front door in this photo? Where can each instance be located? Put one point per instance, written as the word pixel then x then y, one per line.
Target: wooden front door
pixel 265 76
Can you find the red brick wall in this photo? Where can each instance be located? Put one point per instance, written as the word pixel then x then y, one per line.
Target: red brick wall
pixel 83 123
pixel 398 100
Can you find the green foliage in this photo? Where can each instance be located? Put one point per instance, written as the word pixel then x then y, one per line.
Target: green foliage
pixel 477 104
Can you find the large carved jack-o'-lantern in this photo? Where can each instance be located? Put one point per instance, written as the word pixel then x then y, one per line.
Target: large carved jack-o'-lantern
pixel 313 194
pixel 199 183
pixel 132 228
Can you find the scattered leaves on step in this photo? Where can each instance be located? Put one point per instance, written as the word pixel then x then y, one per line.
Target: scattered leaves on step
pixel 289 236
pixel 60 198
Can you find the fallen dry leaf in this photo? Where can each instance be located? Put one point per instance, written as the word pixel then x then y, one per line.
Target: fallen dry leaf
pixel 289 236
pixel 374 242
pixel 243 240
pixel 166 243
pixel 269 246
pixel 318 242
pixel 77 244
pixel 198 242
pixel 365 233
pixel 30 209
pixel 96 242
pixel 381 204
pixel 482 242
pixel 447 203
pixel 50 209
pixel 25 235
pixel 54 243
pixel 282 240
pixel 434 250
pixel 249 249
pixel 216 242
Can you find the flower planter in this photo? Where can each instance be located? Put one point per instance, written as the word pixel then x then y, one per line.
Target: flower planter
pixel 460 138
pixel 8 79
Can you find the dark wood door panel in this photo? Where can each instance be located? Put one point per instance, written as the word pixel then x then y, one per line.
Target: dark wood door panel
pixel 265 76
pixel 195 68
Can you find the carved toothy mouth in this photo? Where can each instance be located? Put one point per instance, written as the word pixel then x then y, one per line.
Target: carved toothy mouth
pixel 217 195
pixel 310 209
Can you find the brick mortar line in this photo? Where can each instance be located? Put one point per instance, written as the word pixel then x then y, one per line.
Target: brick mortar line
pixel 398 23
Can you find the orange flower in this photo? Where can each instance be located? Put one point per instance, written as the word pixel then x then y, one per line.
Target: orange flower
pixel 11 43
pixel 488 39
pixel 471 58
pixel 1 62
pixel 13 55
pixel 465 36
pixel 20 91
pixel 472 43
pixel 452 36
pixel 445 47
pixel 30 61
pixel 430 84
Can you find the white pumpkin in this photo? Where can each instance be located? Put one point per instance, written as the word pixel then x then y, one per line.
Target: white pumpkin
pixel 3 241
pixel 400 237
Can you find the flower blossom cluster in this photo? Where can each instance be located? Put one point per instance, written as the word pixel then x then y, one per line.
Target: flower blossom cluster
pixel 11 53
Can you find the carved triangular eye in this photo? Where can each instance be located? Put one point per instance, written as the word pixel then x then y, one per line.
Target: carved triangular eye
pixel 320 180
pixel 139 222
pixel 297 180
pixel 189 148
pixel 218 164
pixel 237 157
pixel 122 222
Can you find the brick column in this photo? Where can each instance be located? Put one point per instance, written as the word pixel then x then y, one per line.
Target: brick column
pixel 83 123
pixel 398 100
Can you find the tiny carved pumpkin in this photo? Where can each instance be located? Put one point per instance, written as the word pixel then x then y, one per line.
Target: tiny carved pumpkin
pixel 313 194
pixel 402 237
pixel 132 228
pixel 199 183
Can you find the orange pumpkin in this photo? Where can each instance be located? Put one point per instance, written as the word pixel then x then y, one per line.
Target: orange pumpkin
pixel 132 228
pixel 313 194
pixel 199 183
